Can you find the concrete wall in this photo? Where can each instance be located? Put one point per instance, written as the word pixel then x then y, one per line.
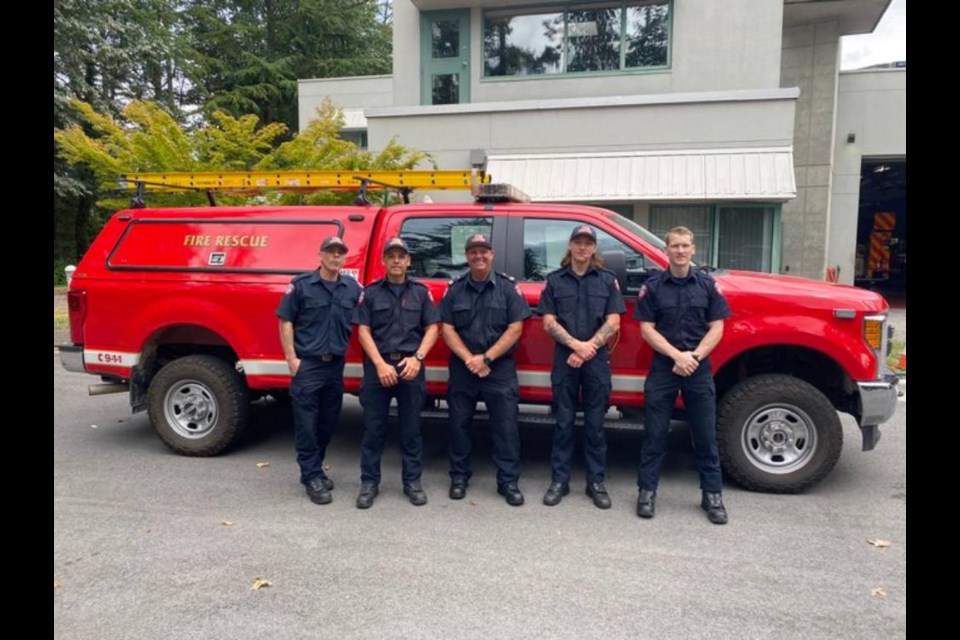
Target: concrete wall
pixel 655 122
pixel 811 57
pixel 717 45
pixel 872 105
pixel 351 94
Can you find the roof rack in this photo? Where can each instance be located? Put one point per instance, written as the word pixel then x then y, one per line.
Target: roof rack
pixel 403 182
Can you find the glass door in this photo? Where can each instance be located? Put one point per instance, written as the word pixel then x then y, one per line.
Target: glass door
pixel 445 57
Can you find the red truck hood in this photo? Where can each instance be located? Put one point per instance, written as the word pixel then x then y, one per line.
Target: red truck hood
pixel 800 291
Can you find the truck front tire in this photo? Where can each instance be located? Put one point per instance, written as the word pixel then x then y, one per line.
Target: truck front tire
pixel 198 405
pixel 777 434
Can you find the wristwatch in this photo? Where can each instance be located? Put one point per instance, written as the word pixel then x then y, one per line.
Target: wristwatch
pixel 486 360
pixel 420 356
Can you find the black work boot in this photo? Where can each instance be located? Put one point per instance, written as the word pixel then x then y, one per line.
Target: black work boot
pixel 318 492
pixel 555 493
pixel 712 503
pixel 415 492
pixel 646 503
pixel 368 491
pixel 512 493
pixel 458 489
pixel 601 499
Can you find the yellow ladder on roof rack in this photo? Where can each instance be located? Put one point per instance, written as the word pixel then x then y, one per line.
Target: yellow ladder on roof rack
pixel 303 180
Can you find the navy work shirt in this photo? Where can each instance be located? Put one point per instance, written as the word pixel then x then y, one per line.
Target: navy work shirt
pixel 481 311
pixel 681 307
pixel 397 321
pixel 320 314
pixel 581 303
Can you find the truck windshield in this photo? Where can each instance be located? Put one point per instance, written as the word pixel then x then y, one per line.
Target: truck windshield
pixel 636 229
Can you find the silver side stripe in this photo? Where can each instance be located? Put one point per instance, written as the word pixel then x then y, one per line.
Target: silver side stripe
pixel 265 367
pixel 110 358
pixel 539 379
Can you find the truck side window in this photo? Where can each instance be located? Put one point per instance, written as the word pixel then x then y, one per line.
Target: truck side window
pixel 437 244
pixel 545 242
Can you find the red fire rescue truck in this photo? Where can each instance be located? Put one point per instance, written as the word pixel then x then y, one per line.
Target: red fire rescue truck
pixel 176 306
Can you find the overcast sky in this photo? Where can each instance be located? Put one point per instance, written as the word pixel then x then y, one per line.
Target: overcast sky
pixel 887 43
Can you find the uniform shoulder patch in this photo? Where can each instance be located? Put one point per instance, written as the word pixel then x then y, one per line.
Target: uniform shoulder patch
pixel 289 289
pixel 360 299
pixel 643 292
pixel 508 277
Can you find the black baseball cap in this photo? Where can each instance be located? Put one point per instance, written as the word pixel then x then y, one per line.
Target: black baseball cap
pixel 584 230
pixel 477 240
pixel 395 243
pixel 332 243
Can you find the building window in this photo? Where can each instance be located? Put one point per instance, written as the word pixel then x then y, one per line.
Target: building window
pixel 437 244
pixel 585 37
pixel 698 218
pixel 356 136
pixel 727 237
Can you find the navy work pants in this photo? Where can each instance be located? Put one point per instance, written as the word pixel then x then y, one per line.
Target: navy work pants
pixel 316 395
pixel 375 400
pixel 700 399
pixel 500 392
pixel 593 378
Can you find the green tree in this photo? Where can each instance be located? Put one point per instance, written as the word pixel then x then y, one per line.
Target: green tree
pixel 147 138
pixel 252 52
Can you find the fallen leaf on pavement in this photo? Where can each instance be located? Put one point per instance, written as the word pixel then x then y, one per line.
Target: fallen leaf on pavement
pixel 262 465
pixel 880 543
pixel 260 583
pixel 472 503
pixel 878 592
pixel 56 585
pixel 226 523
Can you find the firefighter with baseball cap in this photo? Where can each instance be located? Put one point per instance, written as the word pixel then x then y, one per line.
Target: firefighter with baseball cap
pixel 315 314
pixel 397 326
pixel 581 306
pixel 482 314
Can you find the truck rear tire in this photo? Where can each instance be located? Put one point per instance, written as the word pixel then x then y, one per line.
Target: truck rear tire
pixel 777 434
pixel 198 404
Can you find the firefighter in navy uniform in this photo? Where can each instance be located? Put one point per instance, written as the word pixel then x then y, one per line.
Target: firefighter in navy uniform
pixel 315 314
pixel 681 313
pixel 482 314
pixel 581 306
pixel 397 326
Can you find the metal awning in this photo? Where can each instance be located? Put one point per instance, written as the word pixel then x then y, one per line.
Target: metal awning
pixel 761 174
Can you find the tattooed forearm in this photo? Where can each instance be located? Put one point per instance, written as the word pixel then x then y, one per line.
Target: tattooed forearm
pixel 603 334
pixel 557 332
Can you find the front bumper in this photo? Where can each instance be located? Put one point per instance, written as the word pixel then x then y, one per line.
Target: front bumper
pixel 878 401
pixel 71 357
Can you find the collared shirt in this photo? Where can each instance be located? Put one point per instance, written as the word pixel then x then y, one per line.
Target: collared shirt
pixel 582 303
pixel 320 317
pixel 482 311
pixel 397 322
pixel 681 308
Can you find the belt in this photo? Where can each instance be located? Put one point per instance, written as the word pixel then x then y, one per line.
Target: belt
pixel 325 357
pixel 396 356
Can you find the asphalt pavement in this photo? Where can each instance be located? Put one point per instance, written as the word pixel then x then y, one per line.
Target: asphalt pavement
pixel 148 544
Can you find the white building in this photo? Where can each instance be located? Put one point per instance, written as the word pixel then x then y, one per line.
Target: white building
pixel 727 116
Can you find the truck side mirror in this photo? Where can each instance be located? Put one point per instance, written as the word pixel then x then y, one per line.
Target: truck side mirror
pixel 616 262
pixel 630 280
